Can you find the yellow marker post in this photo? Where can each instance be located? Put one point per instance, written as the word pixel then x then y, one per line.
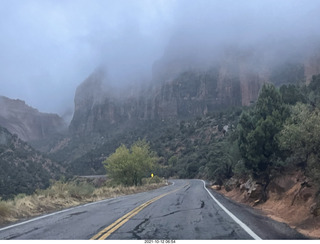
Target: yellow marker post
pixel 152 175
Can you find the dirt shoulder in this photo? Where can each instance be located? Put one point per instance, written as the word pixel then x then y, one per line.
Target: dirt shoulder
pixel 290 200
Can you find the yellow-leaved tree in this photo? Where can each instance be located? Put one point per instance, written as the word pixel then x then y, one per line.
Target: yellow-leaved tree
pixel 128 166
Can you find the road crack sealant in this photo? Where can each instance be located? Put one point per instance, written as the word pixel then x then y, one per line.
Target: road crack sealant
pixel 139 229
pixel 106 232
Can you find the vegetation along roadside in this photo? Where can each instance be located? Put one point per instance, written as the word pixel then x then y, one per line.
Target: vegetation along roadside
pixel 64 194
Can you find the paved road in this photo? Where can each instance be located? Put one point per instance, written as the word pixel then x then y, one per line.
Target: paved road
pixel 183 210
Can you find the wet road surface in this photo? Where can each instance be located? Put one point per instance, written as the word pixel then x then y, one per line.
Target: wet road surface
pixel 183 210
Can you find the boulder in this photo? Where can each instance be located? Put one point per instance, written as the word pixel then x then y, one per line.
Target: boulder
pixel 255 191
pixel 216 187
pixel 231 184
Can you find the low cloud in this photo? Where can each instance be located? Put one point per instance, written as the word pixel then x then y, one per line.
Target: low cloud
pixel 49 47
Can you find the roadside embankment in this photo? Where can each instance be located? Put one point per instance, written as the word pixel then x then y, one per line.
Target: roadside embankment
pixel 290 198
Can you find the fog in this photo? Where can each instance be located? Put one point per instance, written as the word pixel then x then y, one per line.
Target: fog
pixel 49 47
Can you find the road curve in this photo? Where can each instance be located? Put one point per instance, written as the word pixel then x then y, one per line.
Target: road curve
pixel 183 210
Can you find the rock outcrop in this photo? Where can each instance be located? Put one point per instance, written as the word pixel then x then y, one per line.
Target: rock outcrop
pixel 26 122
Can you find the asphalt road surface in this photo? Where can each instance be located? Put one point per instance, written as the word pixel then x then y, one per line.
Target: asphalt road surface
pixel 183 210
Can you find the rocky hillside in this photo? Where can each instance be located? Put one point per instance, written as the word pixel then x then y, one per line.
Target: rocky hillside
pixel 26 122
pixel 23 169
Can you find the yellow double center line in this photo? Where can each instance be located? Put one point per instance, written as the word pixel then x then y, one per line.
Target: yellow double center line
pixel 102 235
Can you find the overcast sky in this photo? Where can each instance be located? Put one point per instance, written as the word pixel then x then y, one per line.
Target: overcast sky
pixel 48 47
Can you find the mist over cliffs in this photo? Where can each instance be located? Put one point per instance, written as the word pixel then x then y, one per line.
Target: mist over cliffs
pixel 185 86
pixel 28 123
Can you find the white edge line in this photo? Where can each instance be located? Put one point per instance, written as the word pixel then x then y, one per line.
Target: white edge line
pixel 238 221
pixel 52 214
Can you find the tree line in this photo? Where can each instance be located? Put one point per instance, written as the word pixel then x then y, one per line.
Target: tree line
pixel 281 130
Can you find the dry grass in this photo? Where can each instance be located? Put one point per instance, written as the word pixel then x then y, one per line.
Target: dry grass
pixel 4 209
pixel 62 195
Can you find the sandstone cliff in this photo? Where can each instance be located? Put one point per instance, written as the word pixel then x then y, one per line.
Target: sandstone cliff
pixel 185 86
pixel 26 122
pixel 192 93
pixel 312 65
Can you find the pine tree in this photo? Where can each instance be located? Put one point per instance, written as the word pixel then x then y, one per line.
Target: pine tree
pixel 258 130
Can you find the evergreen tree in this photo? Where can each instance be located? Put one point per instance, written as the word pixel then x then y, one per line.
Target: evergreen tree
pixel 314 91
pixel 300 137
pixel 291 94
pixel 258 130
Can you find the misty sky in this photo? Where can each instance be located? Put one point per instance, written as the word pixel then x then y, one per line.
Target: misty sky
pixel 48 47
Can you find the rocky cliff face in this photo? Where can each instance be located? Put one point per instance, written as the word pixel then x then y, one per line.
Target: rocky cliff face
pixel 312 66
pixel 191 93
pixel 182 89
pixel 26 122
